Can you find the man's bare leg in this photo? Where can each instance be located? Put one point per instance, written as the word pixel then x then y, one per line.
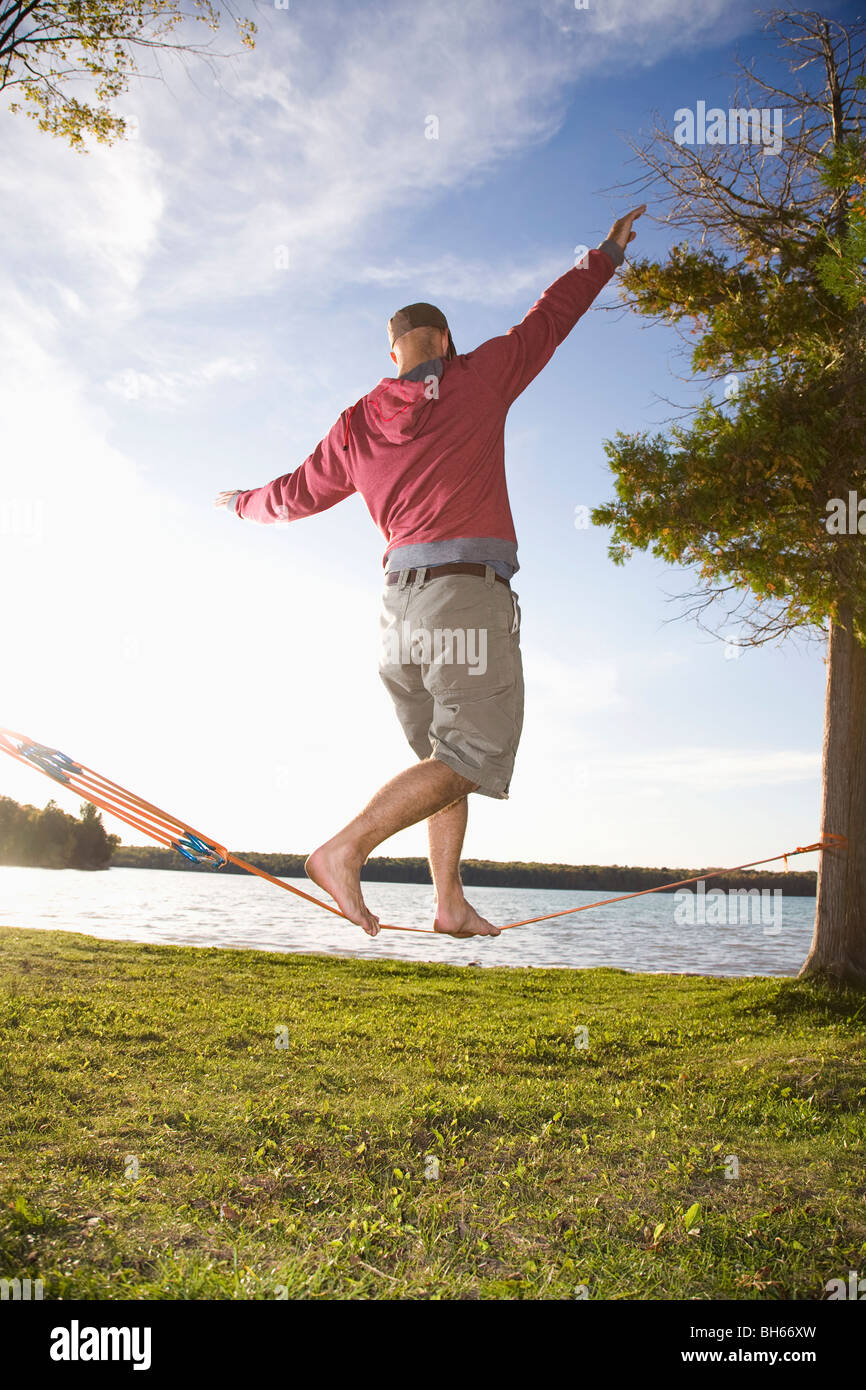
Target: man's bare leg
pixel 454 916
pixel 411 796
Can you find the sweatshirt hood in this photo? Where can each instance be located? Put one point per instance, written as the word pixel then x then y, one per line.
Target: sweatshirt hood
pixel 399 407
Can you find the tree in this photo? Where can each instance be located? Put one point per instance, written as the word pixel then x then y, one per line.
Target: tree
pixel 14 821
pixel 51 839
pixel 49 46
pixel 92 848
pixel 49 843
pixel 750 492
pixel 841 269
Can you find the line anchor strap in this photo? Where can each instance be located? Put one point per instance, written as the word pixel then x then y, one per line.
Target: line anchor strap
pixel 197 852
pixel 49 760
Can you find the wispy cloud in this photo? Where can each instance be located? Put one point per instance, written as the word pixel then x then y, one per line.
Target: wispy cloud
pixel 474 281
pixel 328 132
pixel 650 28
pixel 711 769
pixel 172 388
pixel 95 220
pixel 279 175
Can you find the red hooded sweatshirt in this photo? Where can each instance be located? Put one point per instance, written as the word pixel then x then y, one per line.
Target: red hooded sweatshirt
pixel 428 457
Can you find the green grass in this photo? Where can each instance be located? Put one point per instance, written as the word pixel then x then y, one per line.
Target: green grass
pixel 300 1171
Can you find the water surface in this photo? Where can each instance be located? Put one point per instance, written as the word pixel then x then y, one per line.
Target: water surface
pixel 194 909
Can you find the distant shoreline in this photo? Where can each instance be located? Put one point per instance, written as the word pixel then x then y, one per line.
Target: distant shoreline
pixel 476 873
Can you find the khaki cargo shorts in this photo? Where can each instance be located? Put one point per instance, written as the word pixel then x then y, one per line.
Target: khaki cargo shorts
pixel 450 660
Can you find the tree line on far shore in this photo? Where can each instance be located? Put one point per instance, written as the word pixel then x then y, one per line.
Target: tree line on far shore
pixel 51 839
pixel 603 878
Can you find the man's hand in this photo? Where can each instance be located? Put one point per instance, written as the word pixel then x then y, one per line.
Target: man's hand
pixel 222 499
pixel 621 231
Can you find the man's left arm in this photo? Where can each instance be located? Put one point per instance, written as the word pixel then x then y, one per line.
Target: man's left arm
pixel 509 363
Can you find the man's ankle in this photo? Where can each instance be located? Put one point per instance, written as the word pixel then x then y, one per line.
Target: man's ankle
pixel 450 901
pixel 347 850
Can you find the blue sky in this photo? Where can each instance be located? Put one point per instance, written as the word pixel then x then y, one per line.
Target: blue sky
pixel 153 354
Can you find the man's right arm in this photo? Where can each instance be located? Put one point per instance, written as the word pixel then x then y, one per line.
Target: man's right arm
pixel 320 482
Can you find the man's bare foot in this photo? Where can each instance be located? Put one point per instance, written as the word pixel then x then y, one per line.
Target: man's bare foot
pixel 463 921
pixel 335 870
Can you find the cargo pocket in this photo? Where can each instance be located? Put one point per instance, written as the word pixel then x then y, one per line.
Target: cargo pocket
pixel 470 665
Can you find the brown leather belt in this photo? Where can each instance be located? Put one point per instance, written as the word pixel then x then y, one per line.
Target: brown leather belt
pixel 432 571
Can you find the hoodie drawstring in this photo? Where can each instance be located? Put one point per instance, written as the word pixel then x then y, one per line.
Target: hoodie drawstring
pixel 348 422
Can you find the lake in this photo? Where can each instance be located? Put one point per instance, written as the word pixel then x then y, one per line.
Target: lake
pixel 654 933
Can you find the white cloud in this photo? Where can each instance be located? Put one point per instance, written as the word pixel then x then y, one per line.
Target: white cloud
pixel 94 218
pixel 474 281
pixel 316 136
pixel 625 29
pixel 324 137
pixel 172 387
pixel 711 769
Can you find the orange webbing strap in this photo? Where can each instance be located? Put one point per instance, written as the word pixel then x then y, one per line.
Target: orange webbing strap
pixel 698 878
pixel 135 811
pixel 160 826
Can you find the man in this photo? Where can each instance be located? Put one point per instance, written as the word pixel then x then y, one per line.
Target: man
pixel 426 452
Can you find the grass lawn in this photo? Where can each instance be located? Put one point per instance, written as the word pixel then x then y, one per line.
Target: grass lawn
pixel 187 1123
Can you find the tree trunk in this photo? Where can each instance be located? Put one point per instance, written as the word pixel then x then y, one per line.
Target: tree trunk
pixel 838 950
